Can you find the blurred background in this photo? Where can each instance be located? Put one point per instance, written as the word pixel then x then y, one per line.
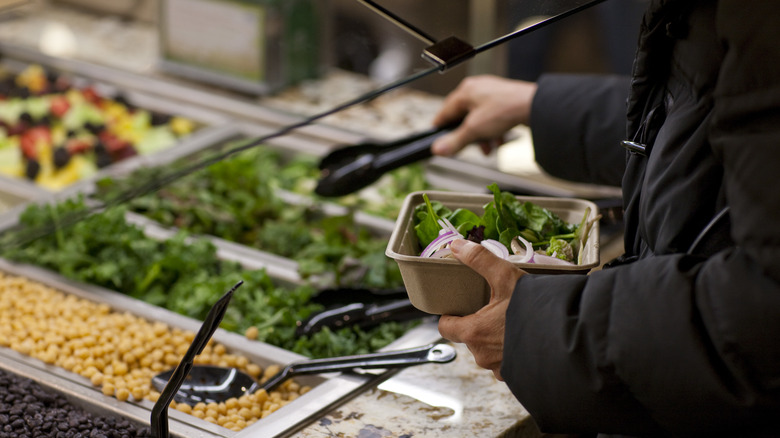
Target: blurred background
pixel 343 34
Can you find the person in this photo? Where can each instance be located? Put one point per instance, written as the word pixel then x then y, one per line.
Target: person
pixel 679 336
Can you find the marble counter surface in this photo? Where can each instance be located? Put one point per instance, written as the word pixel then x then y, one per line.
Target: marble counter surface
pixel 458 399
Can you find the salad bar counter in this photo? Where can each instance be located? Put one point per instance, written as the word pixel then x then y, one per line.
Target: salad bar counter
pixel 129 213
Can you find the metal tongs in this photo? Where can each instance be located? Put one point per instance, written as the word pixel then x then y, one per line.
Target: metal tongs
pixel 351 168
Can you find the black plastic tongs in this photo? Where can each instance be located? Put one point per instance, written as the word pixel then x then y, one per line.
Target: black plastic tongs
pixel 364 308
pixel 351 168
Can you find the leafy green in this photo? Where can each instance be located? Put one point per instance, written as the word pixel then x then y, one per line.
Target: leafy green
pixel 427 220
pixel 504 218
pixel 236 199
pixel 464 220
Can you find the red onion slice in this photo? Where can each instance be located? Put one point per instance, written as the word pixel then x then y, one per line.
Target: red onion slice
pixel 542 259
pixel 442 253
pixel 526 256
pixel 440 241
pixel 496 248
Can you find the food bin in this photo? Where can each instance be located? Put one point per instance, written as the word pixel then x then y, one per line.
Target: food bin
pixel 448 287
pixel 67 123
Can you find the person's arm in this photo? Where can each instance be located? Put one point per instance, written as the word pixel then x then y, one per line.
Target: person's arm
pixel 577 121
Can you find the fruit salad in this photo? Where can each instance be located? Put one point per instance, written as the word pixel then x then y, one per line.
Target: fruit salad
pixel 55 133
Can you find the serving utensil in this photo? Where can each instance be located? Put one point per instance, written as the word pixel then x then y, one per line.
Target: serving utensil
pixel 170 388
pixel 362 307
pixel 351 168
pixel 216 384
pixel 363 315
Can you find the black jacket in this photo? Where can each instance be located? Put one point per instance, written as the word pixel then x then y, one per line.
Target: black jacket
pixel 685 340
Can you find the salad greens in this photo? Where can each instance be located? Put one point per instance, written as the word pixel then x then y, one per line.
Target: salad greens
pixel 504 218
pixel 237 200
pixel 186 276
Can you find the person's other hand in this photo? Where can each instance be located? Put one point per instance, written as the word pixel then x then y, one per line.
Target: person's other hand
pixel 483 331
pixel 489 106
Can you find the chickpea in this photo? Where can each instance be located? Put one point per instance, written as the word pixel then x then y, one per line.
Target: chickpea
pixel 257 411
pixel 245 413
pixel 138 393
pixel 252 333
pixel 122 394
pixel 120 368
pixel 271 370
pixel 245 402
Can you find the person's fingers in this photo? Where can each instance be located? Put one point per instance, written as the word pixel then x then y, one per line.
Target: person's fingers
pixel 454 107
pixel 500 274
pixel 450 143
pixel 488 146
pixel 450 328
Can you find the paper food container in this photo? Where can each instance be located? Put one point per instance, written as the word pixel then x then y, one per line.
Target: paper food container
pixel 448 287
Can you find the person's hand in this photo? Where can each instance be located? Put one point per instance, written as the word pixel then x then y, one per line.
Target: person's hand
pixel 489 106
pixel 483 331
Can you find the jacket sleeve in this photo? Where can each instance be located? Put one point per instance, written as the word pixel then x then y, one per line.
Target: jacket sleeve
pixel 577 123
pixel 675 343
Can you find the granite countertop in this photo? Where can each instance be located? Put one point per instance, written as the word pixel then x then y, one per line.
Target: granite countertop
pixel 456 399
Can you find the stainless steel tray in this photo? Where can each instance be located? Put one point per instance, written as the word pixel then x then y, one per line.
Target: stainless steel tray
pixel 13 193
pixel 328 390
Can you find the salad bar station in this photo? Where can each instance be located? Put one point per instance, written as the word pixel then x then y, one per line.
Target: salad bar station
pixel 128 216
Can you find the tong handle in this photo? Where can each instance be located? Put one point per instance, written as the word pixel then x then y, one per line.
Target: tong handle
pixel 438 353
pixel 416 150
pixel 360 314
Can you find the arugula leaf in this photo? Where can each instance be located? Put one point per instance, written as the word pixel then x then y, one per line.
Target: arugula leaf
pixel 464 220
pixel 428 227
